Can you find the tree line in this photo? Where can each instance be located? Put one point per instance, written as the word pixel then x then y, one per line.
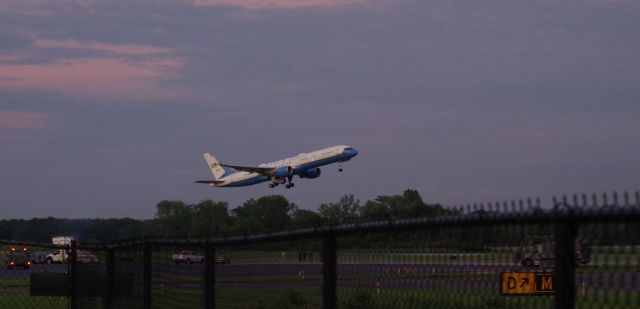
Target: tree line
pixel 274 213
pixel 209 218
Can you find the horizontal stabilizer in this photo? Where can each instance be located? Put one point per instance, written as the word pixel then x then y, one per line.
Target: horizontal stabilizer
pixel 215 182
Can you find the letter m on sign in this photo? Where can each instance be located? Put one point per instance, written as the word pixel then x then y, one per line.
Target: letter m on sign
pixel 544 283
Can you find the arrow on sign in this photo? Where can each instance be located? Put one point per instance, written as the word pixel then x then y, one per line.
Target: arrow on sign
pixel 525 281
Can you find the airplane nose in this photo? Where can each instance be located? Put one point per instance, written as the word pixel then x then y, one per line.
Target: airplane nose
pixel 351 152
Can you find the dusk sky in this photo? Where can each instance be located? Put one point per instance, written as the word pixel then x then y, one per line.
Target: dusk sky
pixel 107 106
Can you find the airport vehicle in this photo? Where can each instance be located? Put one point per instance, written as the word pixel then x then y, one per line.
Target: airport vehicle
pixel 18 258
pixel 86 257
pixel 304 165
pixel 539 251
pixel 189 257
pixel 222 259
pixel 38 257
pixel 58 256
pixel 62 255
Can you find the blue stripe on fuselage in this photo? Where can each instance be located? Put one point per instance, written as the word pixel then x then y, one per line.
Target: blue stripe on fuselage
pixel 249 181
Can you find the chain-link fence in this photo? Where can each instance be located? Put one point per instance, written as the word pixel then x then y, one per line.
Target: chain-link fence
pixel 578 252
pixel 27 274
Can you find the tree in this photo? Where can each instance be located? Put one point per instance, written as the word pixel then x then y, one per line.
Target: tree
pixel 173 218
pixel 210 218
pixel 266 214
pixel 374 211
pixel 343 212
pixel 303 218
pixel 394 207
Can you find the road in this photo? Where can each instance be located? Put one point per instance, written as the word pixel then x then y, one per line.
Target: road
pixel 19 273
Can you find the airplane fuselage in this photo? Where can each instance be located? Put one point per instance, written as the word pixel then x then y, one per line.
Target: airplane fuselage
pixel 304 165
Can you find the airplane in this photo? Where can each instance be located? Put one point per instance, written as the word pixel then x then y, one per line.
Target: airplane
pixel 304 165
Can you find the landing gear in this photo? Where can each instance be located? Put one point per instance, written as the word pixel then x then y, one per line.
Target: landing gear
pixel 281 180
pixel 290 184
pixel 275 181
pixel 340 169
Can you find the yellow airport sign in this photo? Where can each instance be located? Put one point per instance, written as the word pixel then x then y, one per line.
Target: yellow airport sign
pixel 544 284
pixel 526 283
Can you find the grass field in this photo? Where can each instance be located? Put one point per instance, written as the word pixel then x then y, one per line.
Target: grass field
pixel 23 300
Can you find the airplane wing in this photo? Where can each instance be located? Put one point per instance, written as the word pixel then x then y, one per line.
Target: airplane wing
pixel 252 169
pixel 215 182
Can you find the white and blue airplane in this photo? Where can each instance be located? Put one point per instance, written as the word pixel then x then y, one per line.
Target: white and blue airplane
pixel 305 165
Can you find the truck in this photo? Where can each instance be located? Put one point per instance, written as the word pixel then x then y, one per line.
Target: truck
pixel 18 258
pixel 38 257
pixel 189 257
pixel 60 256
pixel 539 251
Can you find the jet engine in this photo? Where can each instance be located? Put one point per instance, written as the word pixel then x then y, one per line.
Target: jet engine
pixel 283 171
pixel 311 173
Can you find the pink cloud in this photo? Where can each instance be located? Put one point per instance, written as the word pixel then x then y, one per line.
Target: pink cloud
pixel 277 4
pixel 122 49
pixel 93 76
pixel 22 120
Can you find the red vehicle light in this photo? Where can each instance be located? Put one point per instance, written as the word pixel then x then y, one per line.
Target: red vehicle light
pixel 24 249
pixel 13 249
pixel 11 263
pixel 29 263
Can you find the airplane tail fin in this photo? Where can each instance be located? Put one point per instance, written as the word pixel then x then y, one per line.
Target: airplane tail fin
pixel 214 165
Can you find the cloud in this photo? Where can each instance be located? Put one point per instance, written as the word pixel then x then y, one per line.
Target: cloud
pixel 94 69
pixel 118 49
pixel 277 4
pixel 93 76
pixel 22 120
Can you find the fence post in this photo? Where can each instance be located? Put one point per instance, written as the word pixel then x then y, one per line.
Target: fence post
pixel 73 274
pixel 209 292
pixel 329 273
pixel 110 274
pixel 146 275
pixel 565 268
